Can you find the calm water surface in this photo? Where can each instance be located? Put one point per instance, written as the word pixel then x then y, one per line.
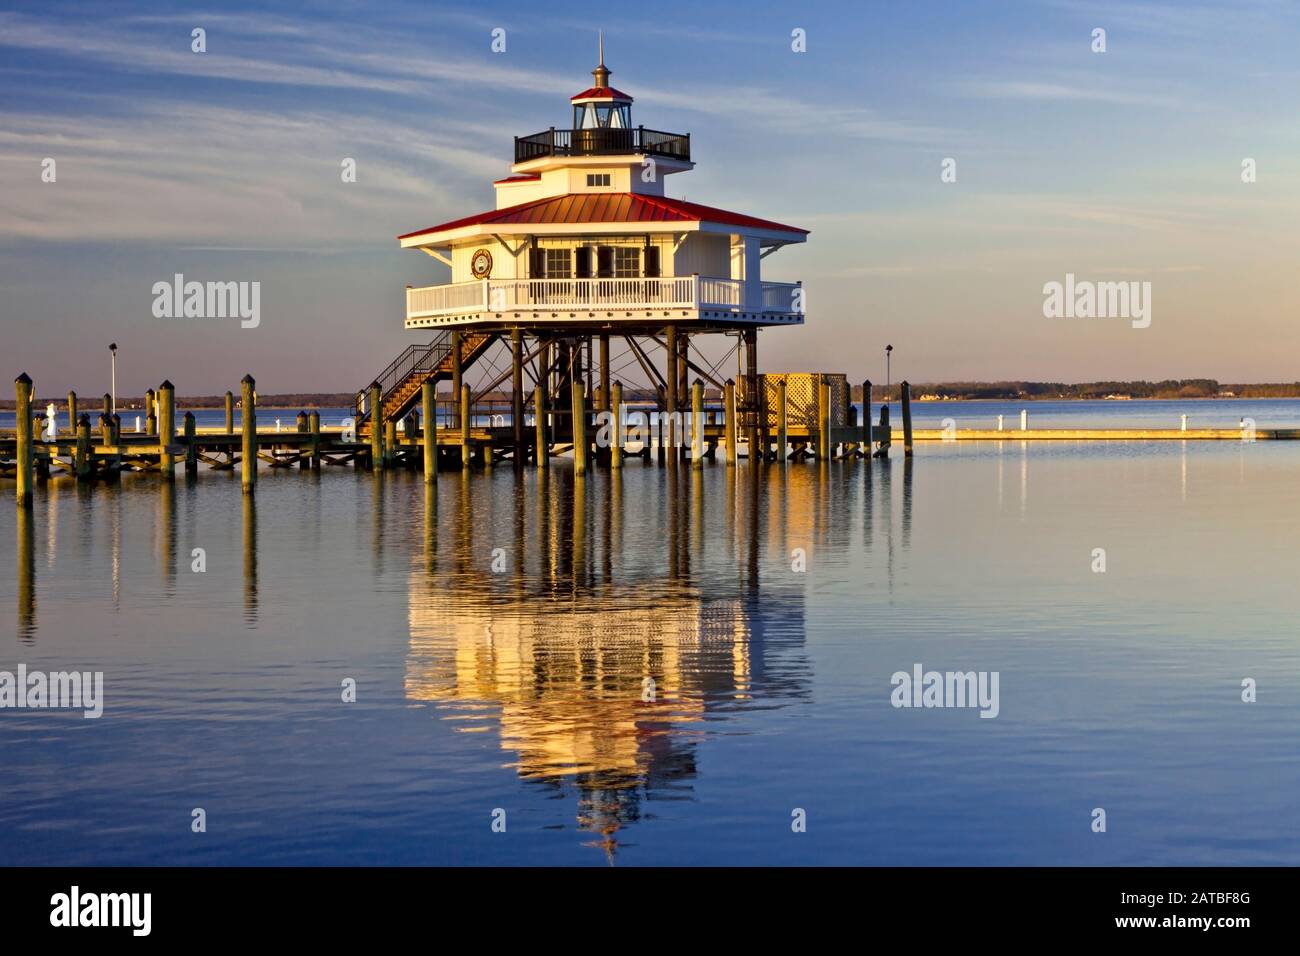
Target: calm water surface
pixel 522 688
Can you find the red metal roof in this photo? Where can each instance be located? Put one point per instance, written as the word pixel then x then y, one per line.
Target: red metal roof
pixel 601 93
pixel 521 178
pixel 584 208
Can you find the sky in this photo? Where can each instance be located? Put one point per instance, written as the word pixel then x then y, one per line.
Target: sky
pixel 1123 165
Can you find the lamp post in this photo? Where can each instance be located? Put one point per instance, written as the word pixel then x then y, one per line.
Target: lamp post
pixel 112 350
pixel 888 349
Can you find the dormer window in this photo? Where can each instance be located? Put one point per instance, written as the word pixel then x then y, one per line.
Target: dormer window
pixel 597 179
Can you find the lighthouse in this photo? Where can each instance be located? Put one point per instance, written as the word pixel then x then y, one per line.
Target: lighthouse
pixel 585 251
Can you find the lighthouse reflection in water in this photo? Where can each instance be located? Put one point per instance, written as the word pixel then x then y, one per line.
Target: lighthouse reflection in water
pixel 597 665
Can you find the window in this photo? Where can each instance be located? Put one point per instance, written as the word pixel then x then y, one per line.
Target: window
pixel 550 263
pixel 582 262
pixel 627 262
pixel 597 179
pixel 558 263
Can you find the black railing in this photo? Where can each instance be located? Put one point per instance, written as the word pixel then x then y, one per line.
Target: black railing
pixel 602 141
pixel 414 358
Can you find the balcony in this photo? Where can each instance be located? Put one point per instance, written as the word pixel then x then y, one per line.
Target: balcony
pixel 603 141
pixel 576 300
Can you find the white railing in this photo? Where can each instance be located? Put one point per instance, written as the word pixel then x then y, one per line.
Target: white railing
pixel 781 297
pixel 722 293
pixel 536 295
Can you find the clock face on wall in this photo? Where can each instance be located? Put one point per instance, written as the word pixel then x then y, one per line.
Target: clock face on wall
pixel 481 263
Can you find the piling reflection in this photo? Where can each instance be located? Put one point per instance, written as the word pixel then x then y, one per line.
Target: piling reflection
pixel 600 657
pixel 249 524
pixel 26 559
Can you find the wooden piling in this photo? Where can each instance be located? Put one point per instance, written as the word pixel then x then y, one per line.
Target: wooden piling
pixel 823 418
pixel 72 412
pixel 191 446
pixel 85 469
pixel 230 413
pixel 313 425
pixel 906 392
pixel 108 404
pixel 116 421
pixel 456 370
pixel 105 430
pixel 885 434
pixel 376 427
pixel 23 422
pixel 579 429
pixel 616 412
pixel 782 420
pixel 166 427
pixel 248 420
pixel 866 418
pixel 429 421
pixel 729 420
pixel 697 424
pixel 542 452
pixel 150 412
pixel 303 457
pixel 517 393
pixel 390 443
pixel 674 400
pixel 464 425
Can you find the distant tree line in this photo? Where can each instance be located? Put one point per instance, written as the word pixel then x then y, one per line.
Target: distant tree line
pixel 1030 391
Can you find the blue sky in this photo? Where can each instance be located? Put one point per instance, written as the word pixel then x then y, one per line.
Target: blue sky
pixel 225 165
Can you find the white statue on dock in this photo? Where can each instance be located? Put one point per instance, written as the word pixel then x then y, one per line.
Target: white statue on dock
pixel 51 427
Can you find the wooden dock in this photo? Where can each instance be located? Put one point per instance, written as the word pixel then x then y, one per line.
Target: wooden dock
pixel 474 434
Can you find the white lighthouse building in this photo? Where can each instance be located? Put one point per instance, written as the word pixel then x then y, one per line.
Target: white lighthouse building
pixel 585 246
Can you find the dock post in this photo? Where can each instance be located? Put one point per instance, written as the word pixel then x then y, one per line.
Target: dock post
pixel 464 424
pixel 697 424
pixel 150 413
pixel 579 428
pixel 191 446
pixel 823 418
pixel 230 413
pixel 84 467
pixel 376 427
pixel 313 424
pixel 117 428
pixel 429 439
pixel 248 421
pixel 729 420
pixel 885 434
pixel 456 370
pixel 166 427
pixel 866 418
pixel 23 426
pixel 674 404
pixel 517 393
pixel 616 413
pixel 906 391
pixel 72 412
pixel 301 422
pixel 390 443
pixel 782 420
pixel 542 452
pixel 108 404
pixel 753 398
pixel 105 430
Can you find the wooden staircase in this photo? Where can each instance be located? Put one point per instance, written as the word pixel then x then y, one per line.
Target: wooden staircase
pixel 401 382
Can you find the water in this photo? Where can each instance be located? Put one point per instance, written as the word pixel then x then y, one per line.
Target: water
pixel 522 690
